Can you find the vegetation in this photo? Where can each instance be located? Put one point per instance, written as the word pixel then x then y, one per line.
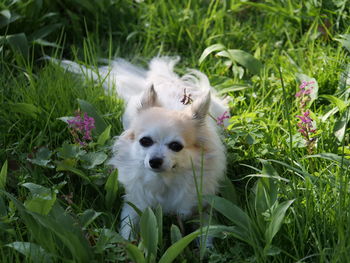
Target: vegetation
pixel 285 67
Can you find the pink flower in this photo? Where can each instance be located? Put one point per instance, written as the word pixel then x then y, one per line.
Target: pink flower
pixel 305 124
pixel 220 119
pixel 81 128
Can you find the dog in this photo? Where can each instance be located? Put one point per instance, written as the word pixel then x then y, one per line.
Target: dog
pixel 171 141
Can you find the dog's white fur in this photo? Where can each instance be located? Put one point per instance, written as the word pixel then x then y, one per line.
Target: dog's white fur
pixel 155 109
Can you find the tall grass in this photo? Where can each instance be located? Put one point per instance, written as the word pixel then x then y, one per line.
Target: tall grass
pixel 281 201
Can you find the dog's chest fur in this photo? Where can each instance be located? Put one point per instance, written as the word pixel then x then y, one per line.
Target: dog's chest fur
pixel 176 193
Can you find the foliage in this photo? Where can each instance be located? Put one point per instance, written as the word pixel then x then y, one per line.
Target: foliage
pixel 285 198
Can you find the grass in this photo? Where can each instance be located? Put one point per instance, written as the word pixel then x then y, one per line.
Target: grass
pixel 282 202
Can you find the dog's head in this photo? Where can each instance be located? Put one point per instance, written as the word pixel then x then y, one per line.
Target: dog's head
pixel 164 140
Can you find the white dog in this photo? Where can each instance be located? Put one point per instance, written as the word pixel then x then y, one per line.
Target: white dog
pixel 170 137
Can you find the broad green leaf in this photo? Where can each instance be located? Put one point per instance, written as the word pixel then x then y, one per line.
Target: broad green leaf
pixel 3 207
pixel 45 43
pixel 228 191
pixel 68 151
pixel 175 234
pixel 100 124
pixel 93 159
pixel 331 157
pixel 345 41
pixel 104 136
pixel 63 166
pixel 159 216
pixel 111 188
pixel 232 212
pixel 41 234
pixel 106 238
pixel 329 113
pixel 42 158
pixel 32 251
pixel 134 253
pixel 336 101
pixel 3 175
pixel 6 18
pixel 243 58
pixel 88 216
pixel 19 43
pixel 149 232
pixel 65 228
pixel 209 50
pixel 340 127
pixel 25 109
pixel 233 88
pixel 269 183
pixel 44 31
pixel 277 217
pixel 175 249
pixel 270 250
pixel 42 199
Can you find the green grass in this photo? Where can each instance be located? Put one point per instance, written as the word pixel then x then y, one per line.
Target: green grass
pixel 284 202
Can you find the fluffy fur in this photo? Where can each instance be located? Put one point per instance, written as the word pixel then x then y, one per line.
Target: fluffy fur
pixel 168 138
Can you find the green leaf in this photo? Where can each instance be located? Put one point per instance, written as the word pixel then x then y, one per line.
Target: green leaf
pixel 104 136
pixel 63 166
pixel 100 124
pixel 44 31
pixel 19 43
pixel 107 237
pixel 40 234
pixel 345 41
pixel 175 234
pixel 65 228
pixel 7 18
pixel 3 207
pixel 331 157
pixel 45 43
pixel 149 232
pixel 32 251
pixel 209 50
pixel 25 109
pixel 174 250
pixel 159 216
pixel 3 175
pixel 277 216
pixel 336 101
pixel 88 216
pixel 42 158
pixel 340 127
pixel 42 199
pixel 111 188
pixel 93 159
pixel 232 212
pixel 243 58
pixel 266 189
pixel 228 191
pixel 68 151
pixel 134 253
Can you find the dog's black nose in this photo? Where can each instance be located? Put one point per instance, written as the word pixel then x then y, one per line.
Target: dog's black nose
pixel 156 163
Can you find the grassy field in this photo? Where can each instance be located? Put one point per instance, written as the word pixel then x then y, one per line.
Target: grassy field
pixel 285 67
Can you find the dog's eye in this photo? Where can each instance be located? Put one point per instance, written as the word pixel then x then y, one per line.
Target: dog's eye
pixel 146 141
pixel 175 146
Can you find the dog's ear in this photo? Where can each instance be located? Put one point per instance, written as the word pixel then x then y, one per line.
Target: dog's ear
pixel 200 108
pixel 149 99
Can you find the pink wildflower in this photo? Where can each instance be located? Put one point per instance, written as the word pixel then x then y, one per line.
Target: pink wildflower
pixel 81 128
pixel 305 123
pixel 220 119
